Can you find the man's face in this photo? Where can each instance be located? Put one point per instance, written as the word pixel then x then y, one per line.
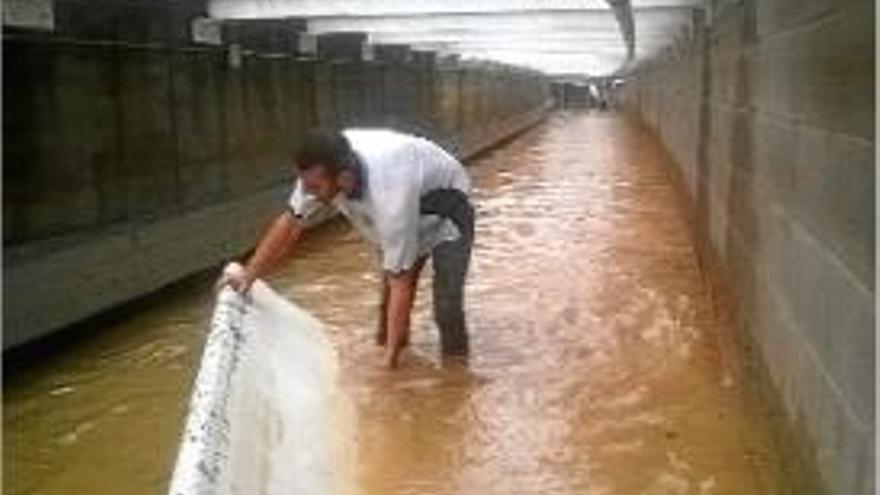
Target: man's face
pixel 319 182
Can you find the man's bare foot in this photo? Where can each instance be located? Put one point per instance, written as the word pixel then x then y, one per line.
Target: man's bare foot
pixel 391 358
pixel 382 338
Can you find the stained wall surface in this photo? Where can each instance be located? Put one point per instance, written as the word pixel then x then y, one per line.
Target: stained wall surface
pixel 768 110
pixel 128 166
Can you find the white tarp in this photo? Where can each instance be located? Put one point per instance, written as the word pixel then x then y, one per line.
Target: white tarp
pixel 266 415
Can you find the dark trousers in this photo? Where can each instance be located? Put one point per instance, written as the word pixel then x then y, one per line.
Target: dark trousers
pixel 451 260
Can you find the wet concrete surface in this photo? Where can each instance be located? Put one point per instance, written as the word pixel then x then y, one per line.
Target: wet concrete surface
pixel 599 363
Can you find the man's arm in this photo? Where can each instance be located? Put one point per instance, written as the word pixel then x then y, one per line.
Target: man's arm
pixel 281 235
pixel 401 294
pixel 274 244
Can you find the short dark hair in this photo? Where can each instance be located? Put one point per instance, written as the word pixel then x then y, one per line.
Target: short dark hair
pixel 327 147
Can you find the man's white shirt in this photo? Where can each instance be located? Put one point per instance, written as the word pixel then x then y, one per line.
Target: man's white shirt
pixel 398 169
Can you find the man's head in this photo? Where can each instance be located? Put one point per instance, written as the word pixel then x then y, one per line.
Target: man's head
pixel 325 164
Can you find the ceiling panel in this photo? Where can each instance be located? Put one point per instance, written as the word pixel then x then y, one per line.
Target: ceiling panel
pixel 360 8
pixel 572 37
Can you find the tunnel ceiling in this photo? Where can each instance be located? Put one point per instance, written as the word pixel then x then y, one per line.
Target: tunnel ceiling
pixel 574 38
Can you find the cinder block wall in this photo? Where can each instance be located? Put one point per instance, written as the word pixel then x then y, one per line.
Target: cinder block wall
pixel 128 167
pixel 768 109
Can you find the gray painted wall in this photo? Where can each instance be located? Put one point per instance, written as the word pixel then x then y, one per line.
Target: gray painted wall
pixel 768 109
pixel 128 167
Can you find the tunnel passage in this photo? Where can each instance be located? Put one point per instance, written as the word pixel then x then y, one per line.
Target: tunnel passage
pixel 599 363
pixel 765 107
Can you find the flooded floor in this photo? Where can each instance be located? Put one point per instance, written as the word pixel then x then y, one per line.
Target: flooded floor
pixel 598 365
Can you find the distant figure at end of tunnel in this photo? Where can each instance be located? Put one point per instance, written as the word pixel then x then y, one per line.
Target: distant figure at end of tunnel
pixel 404 194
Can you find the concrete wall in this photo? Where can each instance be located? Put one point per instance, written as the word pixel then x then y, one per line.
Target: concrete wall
pixel 128 167
pixel 768 109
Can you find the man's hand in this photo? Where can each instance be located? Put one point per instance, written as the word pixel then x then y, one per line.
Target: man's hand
pixel 236 277
pixel 281 235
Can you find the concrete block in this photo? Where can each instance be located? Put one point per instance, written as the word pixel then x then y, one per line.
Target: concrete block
pixel 298 103
pixel 392 52
pixel 834 191
pixel 29 15
pixel 867 463
pixel 774 165
pixel 73 19
pixel 448 99
pixel 849 356
pixel 145 179
pixel 400 87
pixel 473 96
pixel 206 31
pixel 164 22
pixel 306 45
pixel 197 110
pixel 719 229
pixel 254 103
pixel 783 15
pixel 425 59
pixel 265 96
pixel 373 94
pixel 425 93
pixel 838 447
pixel 827 310
pixel 350 92
pixel 323 95
pixel 448 61
pixel 51 154
pixel 348 45
pixel 823 75
pixel 276 35
pixel 793 265
pixel 236 131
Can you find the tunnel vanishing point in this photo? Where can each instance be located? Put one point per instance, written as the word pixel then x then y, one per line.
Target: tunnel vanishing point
pixel 141 147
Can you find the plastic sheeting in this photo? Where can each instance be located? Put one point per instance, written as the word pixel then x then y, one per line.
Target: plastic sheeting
pixel 266 415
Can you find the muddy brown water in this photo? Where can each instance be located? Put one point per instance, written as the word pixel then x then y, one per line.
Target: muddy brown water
pixel 598 367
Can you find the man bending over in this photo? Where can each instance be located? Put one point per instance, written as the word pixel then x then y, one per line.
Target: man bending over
pixel 402 193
